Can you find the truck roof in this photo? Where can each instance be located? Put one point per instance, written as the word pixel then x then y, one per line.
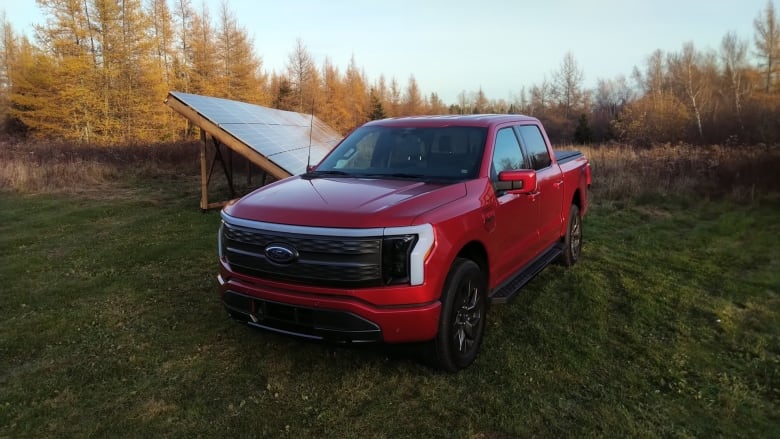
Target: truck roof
pixel 479 120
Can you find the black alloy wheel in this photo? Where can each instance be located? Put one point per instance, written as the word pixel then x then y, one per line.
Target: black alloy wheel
pixel 462 322
pixel 572 242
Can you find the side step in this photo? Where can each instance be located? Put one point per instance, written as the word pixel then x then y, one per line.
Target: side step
pixel 506 292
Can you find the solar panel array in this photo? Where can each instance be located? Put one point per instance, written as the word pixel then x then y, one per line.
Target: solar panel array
pixel 280 136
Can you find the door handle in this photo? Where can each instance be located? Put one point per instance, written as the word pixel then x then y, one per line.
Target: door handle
pixel 533 195
pixel 557 184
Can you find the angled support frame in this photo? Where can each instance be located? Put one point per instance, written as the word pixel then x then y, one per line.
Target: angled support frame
pixel 219 137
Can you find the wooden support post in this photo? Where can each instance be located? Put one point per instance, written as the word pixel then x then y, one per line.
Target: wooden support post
pixel 227 168
pixel 248 173
pixel 204 182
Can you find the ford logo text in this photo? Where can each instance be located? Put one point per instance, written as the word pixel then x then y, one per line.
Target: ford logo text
pixel 281 253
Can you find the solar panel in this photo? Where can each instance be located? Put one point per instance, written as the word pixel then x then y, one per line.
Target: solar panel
pixel 280 136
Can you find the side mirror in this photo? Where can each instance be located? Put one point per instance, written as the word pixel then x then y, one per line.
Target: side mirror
pixel 522 181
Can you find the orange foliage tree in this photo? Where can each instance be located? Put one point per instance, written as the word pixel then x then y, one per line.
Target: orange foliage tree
pixel 99 70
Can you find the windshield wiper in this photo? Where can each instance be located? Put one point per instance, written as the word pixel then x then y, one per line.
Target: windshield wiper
pixel 318 174
pixel 395 175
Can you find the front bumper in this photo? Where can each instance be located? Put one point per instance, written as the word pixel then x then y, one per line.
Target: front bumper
pixel 334 317
pixel 312 323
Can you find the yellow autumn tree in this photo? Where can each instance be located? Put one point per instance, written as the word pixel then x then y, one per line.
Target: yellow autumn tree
pixel 53 90
pixel 653 119
pixel 8 50
pixel 132 83
pixel 333 110
pixel 203 62
pixel 183 18
pixel 240 77
pixel 413 103
pixel 357 95
pixel 303 77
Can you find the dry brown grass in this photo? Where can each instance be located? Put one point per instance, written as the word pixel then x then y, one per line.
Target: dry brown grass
pixel 35 167
pixel 737 173
pixel 619 171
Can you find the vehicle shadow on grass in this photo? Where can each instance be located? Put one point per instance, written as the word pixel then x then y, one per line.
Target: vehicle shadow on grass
pixel 302 354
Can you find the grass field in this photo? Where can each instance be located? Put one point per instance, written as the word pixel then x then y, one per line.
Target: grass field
pixel 110 326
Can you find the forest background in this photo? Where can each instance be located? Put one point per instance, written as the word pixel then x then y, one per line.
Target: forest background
pixel 97 71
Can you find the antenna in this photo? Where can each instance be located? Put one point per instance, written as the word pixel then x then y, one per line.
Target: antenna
pixel 311 128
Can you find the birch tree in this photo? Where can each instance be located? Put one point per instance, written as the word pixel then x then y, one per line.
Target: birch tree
pixel 733 55
pixel 767 39
pixel 303 77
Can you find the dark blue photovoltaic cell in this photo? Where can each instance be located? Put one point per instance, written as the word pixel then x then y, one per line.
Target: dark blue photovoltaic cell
pixel 280 136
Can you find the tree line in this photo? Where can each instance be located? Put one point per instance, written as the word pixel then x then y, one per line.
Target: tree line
pixel 97 72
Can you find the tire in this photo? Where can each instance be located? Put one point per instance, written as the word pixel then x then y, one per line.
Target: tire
pixel 462 321
pixel 572 242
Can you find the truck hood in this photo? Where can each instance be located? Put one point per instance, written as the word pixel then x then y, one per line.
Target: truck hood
pixel 344 202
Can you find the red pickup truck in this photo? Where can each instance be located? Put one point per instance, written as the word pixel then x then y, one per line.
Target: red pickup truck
pixel 405 232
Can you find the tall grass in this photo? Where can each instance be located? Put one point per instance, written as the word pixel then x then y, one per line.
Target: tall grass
pixel 619 171
pixel 54 167
pixel 714 172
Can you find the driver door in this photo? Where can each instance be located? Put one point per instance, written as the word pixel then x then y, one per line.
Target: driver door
pixel 515 238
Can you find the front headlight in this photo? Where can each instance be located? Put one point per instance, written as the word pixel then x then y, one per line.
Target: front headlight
pixel 221 240
pixel 396 253
pixel 404 250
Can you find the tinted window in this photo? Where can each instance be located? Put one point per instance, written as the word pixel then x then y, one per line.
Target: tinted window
pixel 535 146
pixel 507 154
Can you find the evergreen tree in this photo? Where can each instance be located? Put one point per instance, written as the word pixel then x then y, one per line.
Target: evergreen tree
pixel 583 134
pixel 377 112
pixel 281 93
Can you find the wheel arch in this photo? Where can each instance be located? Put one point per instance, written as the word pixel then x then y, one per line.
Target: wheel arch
pixel 577 199
pixel 476 251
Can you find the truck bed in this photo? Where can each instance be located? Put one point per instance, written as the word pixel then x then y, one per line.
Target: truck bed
pixel 565 156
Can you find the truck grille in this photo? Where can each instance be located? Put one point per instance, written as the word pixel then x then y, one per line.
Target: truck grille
pixel 318 260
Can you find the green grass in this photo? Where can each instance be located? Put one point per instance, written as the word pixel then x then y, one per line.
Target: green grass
pixel 110 325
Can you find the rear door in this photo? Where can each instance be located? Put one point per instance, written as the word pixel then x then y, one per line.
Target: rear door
pixel 515 238
pixel 549 183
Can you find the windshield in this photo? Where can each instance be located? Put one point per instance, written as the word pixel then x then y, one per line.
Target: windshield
pixel 448 153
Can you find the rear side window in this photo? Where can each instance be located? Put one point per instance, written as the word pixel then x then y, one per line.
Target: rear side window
pixel 535 146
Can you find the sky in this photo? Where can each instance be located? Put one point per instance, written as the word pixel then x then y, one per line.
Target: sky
pixel 455 45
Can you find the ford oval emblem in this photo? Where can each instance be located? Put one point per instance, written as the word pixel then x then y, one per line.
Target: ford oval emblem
pixel 280 253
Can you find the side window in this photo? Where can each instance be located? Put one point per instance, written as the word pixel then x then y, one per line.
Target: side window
pixel 535 146
pixel 507 154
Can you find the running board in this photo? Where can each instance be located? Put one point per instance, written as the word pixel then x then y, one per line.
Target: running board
pixel 506 292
